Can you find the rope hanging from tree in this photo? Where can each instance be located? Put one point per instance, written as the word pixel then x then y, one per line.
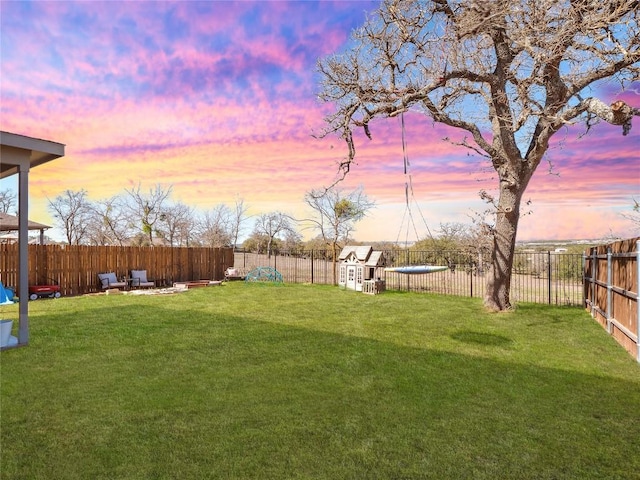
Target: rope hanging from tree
pixel 409 195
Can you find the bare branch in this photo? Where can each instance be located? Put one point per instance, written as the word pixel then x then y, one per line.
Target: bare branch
pixel 618 113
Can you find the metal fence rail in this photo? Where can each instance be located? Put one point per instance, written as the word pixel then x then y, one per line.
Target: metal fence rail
pixel 537 277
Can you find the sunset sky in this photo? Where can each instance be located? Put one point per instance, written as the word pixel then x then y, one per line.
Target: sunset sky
pixel 219 100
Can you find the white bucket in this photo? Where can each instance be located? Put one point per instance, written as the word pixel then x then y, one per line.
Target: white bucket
pixel 5 332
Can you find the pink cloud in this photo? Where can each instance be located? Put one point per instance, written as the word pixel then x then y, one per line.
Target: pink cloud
pixel 218 99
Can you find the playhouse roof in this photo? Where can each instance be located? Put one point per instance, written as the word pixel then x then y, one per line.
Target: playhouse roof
pixel 361 252
pixel 376 259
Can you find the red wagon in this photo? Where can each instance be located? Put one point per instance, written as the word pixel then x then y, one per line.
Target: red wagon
pixel 39 291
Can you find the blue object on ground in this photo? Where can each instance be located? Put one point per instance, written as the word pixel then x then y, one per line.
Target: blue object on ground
pixel 6 295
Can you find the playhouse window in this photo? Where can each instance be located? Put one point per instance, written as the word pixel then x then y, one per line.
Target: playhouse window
pixel 343 271
pixel 359 275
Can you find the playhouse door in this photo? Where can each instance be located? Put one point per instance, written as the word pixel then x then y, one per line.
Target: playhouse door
pixel 351 277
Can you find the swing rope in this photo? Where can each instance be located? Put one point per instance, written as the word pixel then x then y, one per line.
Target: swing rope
pixel 408 189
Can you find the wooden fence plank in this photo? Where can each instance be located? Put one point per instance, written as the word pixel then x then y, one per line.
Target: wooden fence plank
pixel 611 291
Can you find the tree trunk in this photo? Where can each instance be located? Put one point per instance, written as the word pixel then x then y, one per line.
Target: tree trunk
pixel 334 262
pixel 497 297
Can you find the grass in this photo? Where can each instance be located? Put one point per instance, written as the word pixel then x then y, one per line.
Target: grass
pixel 298 381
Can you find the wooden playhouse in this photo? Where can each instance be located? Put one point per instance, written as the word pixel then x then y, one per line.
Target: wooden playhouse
pixel 359 269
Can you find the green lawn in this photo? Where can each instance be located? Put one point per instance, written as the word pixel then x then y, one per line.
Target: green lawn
pixel 298 381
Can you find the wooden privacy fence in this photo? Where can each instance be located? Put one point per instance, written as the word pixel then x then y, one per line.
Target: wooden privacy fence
pixel 611 290
pixel 75 267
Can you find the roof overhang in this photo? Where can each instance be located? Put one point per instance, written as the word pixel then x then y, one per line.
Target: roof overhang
pixel 18 155
pixel 9 223
pixel 18 151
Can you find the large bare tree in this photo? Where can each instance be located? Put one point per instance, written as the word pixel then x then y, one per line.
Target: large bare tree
pixel 272 225
pixel 508 73
pixel 72 213
pixel 8 200
pixel 238 218
pixel 109 222
pixel 216 226
pixel 178 224
pixel 149 208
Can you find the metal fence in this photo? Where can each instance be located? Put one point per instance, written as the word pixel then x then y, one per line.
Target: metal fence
pixel 538 277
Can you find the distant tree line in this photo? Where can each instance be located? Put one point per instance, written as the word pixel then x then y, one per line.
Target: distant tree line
pixel 145 218
pixel 150 217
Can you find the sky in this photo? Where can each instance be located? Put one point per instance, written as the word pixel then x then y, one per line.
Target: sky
pixel 219 100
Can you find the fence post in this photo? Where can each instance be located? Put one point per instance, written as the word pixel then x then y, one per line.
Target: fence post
pixel 594 272
pixel 549 277
pixel 408 262
pixel 638 299
pixel 584 293
pixel 609 289
pixel 312 267
pixel 471 277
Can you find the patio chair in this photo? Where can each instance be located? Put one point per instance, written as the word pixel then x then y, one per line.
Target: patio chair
pixel 109 280
pixel 139 279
